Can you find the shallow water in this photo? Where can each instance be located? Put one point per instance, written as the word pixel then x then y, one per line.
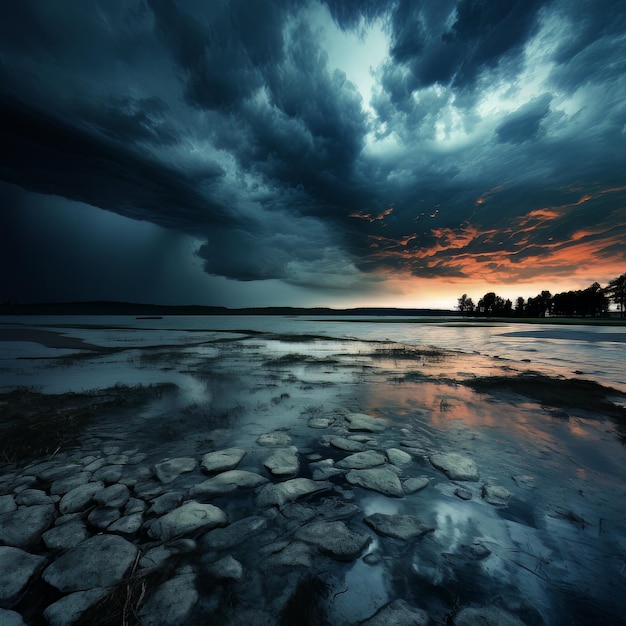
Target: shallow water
pixel 554 554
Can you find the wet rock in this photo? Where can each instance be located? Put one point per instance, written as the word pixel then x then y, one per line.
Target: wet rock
pixel 321 422
pixel 65 536
pixel 324 469
pixel 57 472
pixel 77 499
pixel 495 494
pixel 403 527
pixel 298 513
pixel 283 462
pixel 100 561
pixel 11 618
pixel 117 459
pixel 165 503
pixel 296 553
pixel 290 491
pixel 95 465
pixel 347 445
pixel 486 616
pixel 275 439
pixel 168 471
pixel 63 485
pixel 16 569
pixel 127 525
pixel 188 518
pixel 363 422
pixel 455 466
pixel 398 457
pixel 398 613
pixel 228 481
pixel 234 534
pixel 362 460
pixel 463 493
pixel 227 568
pixel 68 609
pixel 134 505
pixel 103 517
pixel 222 460
pixel 334 539
pixel 415 484
pixel 30 497
pixel 114 496
pixel 148 489
pixel 7 504
pixel 109 474
pixel 335 509
pixel 379 479
pixel 154 557
pixel 172 602
pixel 525 481
pixel 25 526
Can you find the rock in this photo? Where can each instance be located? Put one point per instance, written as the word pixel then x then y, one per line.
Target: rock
pixel 236 533
pixel 495 494
pixel 334 539
pixel 379 479
pixel 222 460
pixel 11 618
pixel 455 466
pixel 25 526
pixel 165 503
pixel 7 504
pixel 77 499
pixel 290 491
pixel 134 505
pixel 398 613
pixel 324 469
pixel 95 465
pixel 415 484
pixel 283 462
pixel 463 493
pixel 228 481
pixel 398 457
pixel 347 445
pixel 103 517
pixel 188 518
pixel 362 460
pixel 334 509
pixel 321 422
pixel 485 616
pixel 115 496
pixel 109 474
pixel 68 609
pixel 154 557
pixel 118 459
pixel 30 497
pixel 56 472
pixel 226 568
pixel 363 422
pixel 63 485
pixel 127 525
pixel 16 569
pixel 65 536
pixel 403 527
pixel 168 471
pixel 290 555
pixel 171 603
pixel 100 561
pixel 148 489
pixel 275 439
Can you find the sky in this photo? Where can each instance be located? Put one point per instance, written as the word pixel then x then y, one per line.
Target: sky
pixel 310 153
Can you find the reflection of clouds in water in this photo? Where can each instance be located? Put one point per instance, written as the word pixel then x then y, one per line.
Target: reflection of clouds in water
pixel 378 504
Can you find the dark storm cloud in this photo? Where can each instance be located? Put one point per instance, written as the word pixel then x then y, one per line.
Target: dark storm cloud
pixel 230 121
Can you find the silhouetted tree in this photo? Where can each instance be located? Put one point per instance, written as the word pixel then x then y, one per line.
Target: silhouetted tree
pixel 616 290
pixel 465 304
pixel 519 306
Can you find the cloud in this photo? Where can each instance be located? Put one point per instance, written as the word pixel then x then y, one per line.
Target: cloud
pixel 524 124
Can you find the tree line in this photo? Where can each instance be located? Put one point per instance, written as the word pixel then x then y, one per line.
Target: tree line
pixel 590 302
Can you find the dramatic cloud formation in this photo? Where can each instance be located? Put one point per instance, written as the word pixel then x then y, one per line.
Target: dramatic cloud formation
pixel 309 152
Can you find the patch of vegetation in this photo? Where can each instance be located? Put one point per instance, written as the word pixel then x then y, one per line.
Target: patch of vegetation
pixel 410 353
pixel 295 358
pixel 34 424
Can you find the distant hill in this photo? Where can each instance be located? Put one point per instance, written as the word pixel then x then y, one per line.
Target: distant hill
pixel 130 308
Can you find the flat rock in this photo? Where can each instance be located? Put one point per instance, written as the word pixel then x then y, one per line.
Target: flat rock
pixel 347 445
pixel 415 484
pixel 65 536
pixel 154 557
pixel 324 469
pixel 168 471
pixel 403 527
pixel 495 494
pixel 275 439
pixel 290 491
pixel 227 568
pixel 100 561
pixel 134 505
pixel 362 460
pixel 148 489
pixel 78 499
pixel 103 517
pixel 234 534
pixel 115 496
pixel 228 481
pixel 363 422
pixel 455 466
pixel 109 474
pixel 321 422
pixel 16 569
pixel 334 539
pixel 30 497
pixel 127 525
pixel 11 618
pixel 398 457
pixel 68 609
pixel 379 479
pixel 283 462
pixel 165 503
pixel 188 518
pixel 56 472
pixel 25 526
pixel 463 493
pixel 63 485
pixel 486 616
pixel 296 553
pixel 398 613
pixel 222 460
pixel 171 603
pixel 7 504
